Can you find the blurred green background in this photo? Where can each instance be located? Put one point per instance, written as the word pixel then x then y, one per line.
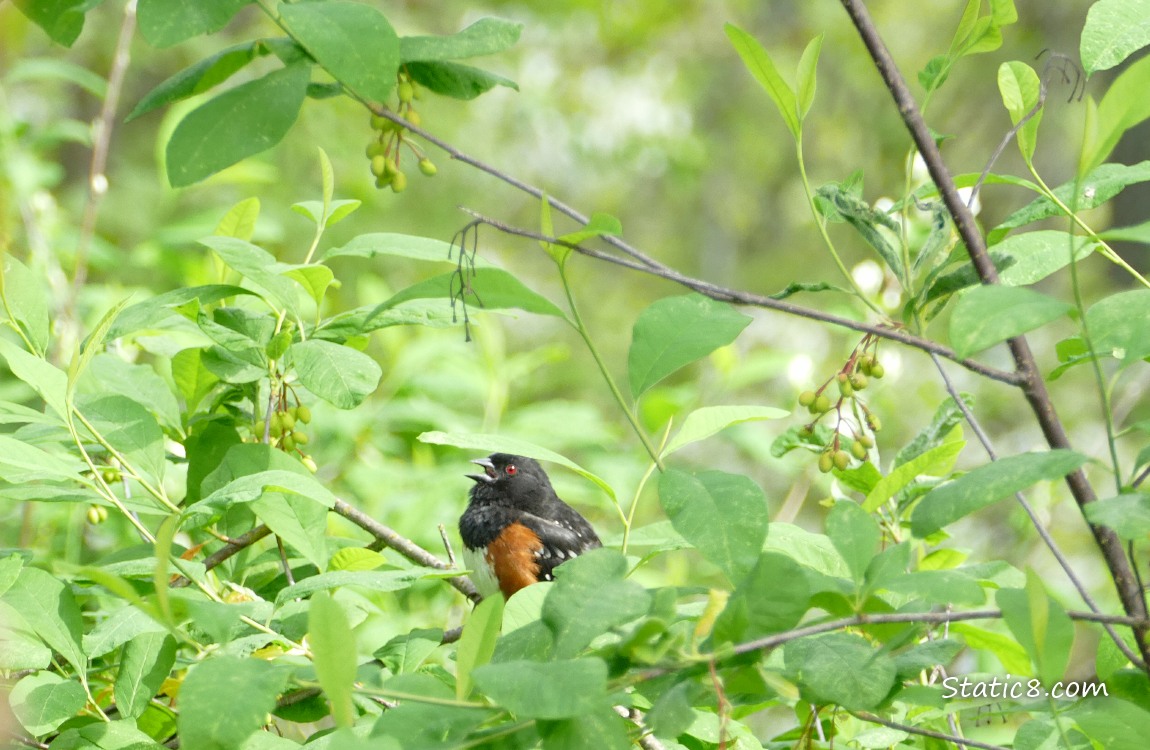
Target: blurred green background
pixel 638 109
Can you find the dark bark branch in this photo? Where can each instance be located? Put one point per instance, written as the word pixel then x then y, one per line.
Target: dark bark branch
pixel 1033 386
pixel 724 294
pixel 962 741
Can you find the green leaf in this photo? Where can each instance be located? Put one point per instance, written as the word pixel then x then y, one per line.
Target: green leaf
pixel 1114 30
pixel 405 653
pixel 599 225
pixel 806 77
pixel 945 419
pixel 315 278
pixel 121 626
pixel 49 382
pixel 43 701
pixel 487 36
pixel 843 202
pixel 723 515
pixel 332 644
pixel 1032 256
pixel 250 487
pixel 710 420
pixel 110 735
pixel 1021 91
pixel 373 580
pixel 335 212
pixel 937 461
pixel 297 520
pixel 1099 186
pixel 433 725
pixel 840 668
pixel 938 587
pixel 1128 515
pixel 1041 626
pixel 855 535
pixel 990 314
pixel 1111 723
pixel 545 690
pixel 353 42
pixel 196 79
pixel 158 310
pixel 166 22
pixel 760 606
pixel 1118 327
pixel 1121 108
pixel 514 446
pixel 62 20
pixel 109 374
pixel 599 730
pixel 455 80
pixel 49 608
pixel 477 643
pixel 146 663
pixel 674 332
pixel 240 220
pixel 400 246
pixel 25 301
pixel 236 124
pixel 225 699
pixel 760 65
pixel 338 374
pixel 598 575
pixel 987 485
pixel 128 427
pixel 23 462
pixel 487 288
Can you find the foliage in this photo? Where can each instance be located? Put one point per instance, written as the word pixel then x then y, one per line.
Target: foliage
pixel 198 444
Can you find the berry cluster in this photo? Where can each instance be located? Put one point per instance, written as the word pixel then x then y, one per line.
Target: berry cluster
pixel 284 430
pixel 384 151
pixel 860 368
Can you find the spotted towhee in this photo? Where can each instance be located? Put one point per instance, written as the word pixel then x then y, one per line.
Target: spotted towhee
pixel 516 530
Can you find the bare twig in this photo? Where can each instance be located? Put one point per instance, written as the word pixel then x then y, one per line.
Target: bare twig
pixel 447 545
pixel 647 741
pixel 1033 386
pixel 102 138
pixel 387 537
pixel 724 294
pixel 1035 521
pixel 866 716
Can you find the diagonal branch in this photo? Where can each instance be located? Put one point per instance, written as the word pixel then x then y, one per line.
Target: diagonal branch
pixel 1033 386
pixel 726 294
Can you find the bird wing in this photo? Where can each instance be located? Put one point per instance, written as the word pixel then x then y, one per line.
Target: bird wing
pixel 560 540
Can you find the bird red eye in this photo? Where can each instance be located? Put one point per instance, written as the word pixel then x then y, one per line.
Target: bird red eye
pixel 510 470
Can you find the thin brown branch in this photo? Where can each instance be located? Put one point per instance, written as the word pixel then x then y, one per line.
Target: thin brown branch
pixel 101 140
pixel 1035 521
pixel 1033 386
pixel 866 716
pixel 647 741
pixel 724 294
pixel 385 536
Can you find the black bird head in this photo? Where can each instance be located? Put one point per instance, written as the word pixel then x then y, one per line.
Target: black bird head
pixel 516 480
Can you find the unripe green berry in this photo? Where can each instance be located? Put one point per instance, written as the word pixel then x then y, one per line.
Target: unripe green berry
pixel 111 475
pixel 287 419
pixel 303 414
pixel 260 428
pixel 858 381
pixel 806 398
pixel 380 123
pixel 374 149
pixel 378 165
pixel 826 461
pixel 841 460
pixel 288 443
pixel 309 462
pixel 877 370
pixel 94 514
pixel 413 117
pixel 845 387
pixel 300 438
pixel 806 431
pixel 822 404
pixel 405 91
pixel 866 440
pixel 873 422
pixel 398 182
pixel 427 167
pixel 858 450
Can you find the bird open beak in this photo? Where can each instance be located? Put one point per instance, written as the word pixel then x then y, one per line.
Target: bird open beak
pixel 488 474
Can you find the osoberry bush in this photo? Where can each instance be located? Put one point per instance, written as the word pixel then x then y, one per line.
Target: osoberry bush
pixel 227 442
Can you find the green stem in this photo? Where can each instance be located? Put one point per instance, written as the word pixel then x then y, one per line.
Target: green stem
pixel 822 226
pixel 630 519
pixel 577 322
